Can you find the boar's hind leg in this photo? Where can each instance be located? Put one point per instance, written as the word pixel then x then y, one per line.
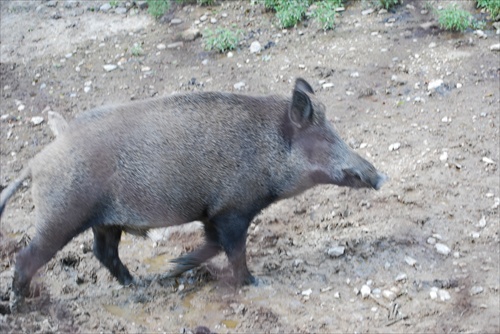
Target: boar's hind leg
pixel 41 249
pixel 106 240
pixel 200 255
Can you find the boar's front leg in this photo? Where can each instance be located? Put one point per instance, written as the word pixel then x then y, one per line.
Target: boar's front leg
pixel 106 240
pixel 226 232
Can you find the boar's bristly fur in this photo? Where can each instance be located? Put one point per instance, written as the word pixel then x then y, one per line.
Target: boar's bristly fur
pixel 218 158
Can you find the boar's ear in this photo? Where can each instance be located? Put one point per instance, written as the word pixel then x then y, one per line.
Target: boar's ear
pixel 301 109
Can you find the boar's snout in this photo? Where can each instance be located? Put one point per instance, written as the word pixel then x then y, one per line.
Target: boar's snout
pixel 362 174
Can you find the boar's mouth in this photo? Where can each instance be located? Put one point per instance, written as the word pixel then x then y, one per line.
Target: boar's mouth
pixel 355 178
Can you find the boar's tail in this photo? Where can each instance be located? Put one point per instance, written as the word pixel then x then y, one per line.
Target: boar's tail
pixel 11 188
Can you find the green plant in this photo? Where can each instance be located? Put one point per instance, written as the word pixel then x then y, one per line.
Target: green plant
pixel 387 3
pixel 113 3
pixel 158 7
pixel 291 12
pixel 136 50
pixel 221 39
pixel 325 13
pixel 206 2
pixel 454 19
pixel 492 6
pixel 271 4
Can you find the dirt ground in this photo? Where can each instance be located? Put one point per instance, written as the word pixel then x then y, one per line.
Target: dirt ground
pixel 419 255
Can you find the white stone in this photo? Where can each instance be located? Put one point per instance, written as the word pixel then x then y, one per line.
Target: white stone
pixel 161 46
pixel 410 261
pixel 230 55
pixel 327 85
pixel 495 47
pixel 110 67
pixel 365 291
pixel 431 241
pixel 442 249
pixel 443 157
pixel 37 120
pixel 433 293
pixel 145 69
pixel 255 47
pixel 307 292
pixel 394 146
pixel 475 290
pixel 434 84
pixel 488 161
pixel 367 11
pixel 239 85
pixel 443 295
pixel 389 295
pixel 401 277
pixel 336 251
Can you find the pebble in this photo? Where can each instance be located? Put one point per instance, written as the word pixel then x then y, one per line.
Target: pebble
pixel 145 69
pixel 175 45
pixel 203 18
pixel 255 47
pixel 213 20
pixel 204 62
pixel 410 261
pixel 230 55
pixel 431 241
pixel 21 107
pixel 365 291
pixel 190 34
pixel 394 146
pixel 433 293
pixel 434 84
pixel 442 294
pixel 389 295
pixel 336 251
pixel 459 85
pixel 176 21
pixel 443 157
pixel 480 34
pixel 432 45
pixel 239 85
pixel 442 249
pixel 488 161
pixel 336 295
pixel 482 222
pixel 354 75
pixel 86 89
pixel 110 67
pixel 307 292
pixel 106 7
pixel 161 46
pixel 121 10
pixel 37 120
pixel 495 47
pixel 327 85
pixel 446 119
pixel 367 11
pixel 475 290
pixel 401 277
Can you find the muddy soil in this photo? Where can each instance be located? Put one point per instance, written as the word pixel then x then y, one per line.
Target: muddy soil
pixel 420 255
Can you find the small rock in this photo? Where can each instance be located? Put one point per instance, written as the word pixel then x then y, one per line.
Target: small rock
pixel 367 11
pixel 410 261
pixel 336 295
pixel 175 21
pixel 121 10
pixel 394 146
pixel 145 69
pixel 21 107
pixel 443 295
pixel 88 83
pixel 442 249
pixel 204 62
pixel 434 84
pixel 365 291
pixel 203 18
pixel 433 293
pixel 443 157
pixel 161 46
pixel 480 34
pixel 475 235
pixel 432 45
pixel 488 161
pixel 475 290
pixel 190 34
pixel 255 47
pixel 68 55
pixel 37 120
pixel 401 277
pixel 336 251
pixel 51 3
pixel 431 241
pixel 213 20
pixel 297 262
pixel 110 67
pixel 307 292
pixel 105 8
pixel 354 75
pixel 459 85
pixel 230 55
pixel 302 66
pixel 142 4
pixel 86 89
pixel 239 85
pixel 389 295
pixel 482 222
pixel 495 47
pixel 175 45
pixel 446 119
pixel 327 85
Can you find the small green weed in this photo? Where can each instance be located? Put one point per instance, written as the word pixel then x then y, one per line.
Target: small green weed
pixel 291 12
pixel 271 4
pixel 387 4
pixel 113 3
pixel 136 50
pixel 325 13
pixel 206 2
pixel 454 19
pixel 492 6
pixel 158 7
pixel 221 39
